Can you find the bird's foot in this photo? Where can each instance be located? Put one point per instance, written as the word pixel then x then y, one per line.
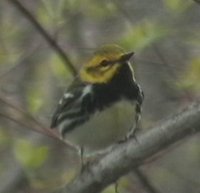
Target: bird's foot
pixel 131 134
pixel 84 165
pixel 116 185
pixel 84 162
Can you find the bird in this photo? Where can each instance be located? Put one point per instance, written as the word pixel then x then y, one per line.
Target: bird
pixel 103 103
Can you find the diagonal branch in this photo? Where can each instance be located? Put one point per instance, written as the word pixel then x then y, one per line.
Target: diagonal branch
pixel 121 159
pixel 45 35
pixel 30 122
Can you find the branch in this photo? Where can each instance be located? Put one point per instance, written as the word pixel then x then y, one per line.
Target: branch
pixel 45 35
pixel 121 159
pixel 30 122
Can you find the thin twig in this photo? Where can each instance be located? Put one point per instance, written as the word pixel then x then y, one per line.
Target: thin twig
pixel 163 60
pixel 145 181
pixel 40 127
pixel 45 35
pixel 21 111
pixel 27 125
pixel 22 59
pixel 14 120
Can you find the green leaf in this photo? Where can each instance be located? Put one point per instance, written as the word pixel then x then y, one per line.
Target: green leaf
pixel 191 76
pixel 143 35
pixel 99 9
pixel 50 13
pixel 30 155
pixel 178 5
pixel 35 100
pixel 58 67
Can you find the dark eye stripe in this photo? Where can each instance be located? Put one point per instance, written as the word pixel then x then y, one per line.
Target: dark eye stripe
pixel 105 63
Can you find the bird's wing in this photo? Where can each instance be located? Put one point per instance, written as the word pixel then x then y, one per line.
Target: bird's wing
pixel 73 109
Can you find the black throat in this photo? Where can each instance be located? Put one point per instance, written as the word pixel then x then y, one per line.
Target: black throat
pixel 121 86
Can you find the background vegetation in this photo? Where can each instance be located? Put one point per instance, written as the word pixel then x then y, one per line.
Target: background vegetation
pixel 165 36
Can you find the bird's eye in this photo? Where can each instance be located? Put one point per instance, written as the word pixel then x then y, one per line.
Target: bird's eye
pixel 104 63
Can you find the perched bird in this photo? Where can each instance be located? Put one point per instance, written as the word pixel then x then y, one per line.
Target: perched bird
pixel 103 103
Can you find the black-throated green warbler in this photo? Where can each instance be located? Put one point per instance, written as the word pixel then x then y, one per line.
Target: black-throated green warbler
pixel 103 103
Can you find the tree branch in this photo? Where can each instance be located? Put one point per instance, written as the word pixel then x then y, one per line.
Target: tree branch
pixel 121 159
pixel 45 35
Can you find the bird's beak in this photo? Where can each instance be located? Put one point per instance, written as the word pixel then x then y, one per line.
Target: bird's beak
pixel 126 57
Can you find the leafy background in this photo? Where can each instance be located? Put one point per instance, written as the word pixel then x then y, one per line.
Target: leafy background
pixel 165 36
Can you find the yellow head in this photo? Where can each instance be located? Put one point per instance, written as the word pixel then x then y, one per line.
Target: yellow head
pixel 104 64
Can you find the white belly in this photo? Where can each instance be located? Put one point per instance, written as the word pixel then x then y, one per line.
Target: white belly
pixel 104 127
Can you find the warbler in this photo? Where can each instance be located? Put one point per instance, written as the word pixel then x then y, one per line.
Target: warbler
pixel 103 103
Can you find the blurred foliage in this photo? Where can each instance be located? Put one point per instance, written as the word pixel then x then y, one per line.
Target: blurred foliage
pixel 191 76
pixel 4 138
pixel 178 6
pixel 194 39
pixel 163 34
pixel 29 155
pixel 99 9
pixel 50 13
pixel 34 98
pixel 58 68
pixel 143 35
